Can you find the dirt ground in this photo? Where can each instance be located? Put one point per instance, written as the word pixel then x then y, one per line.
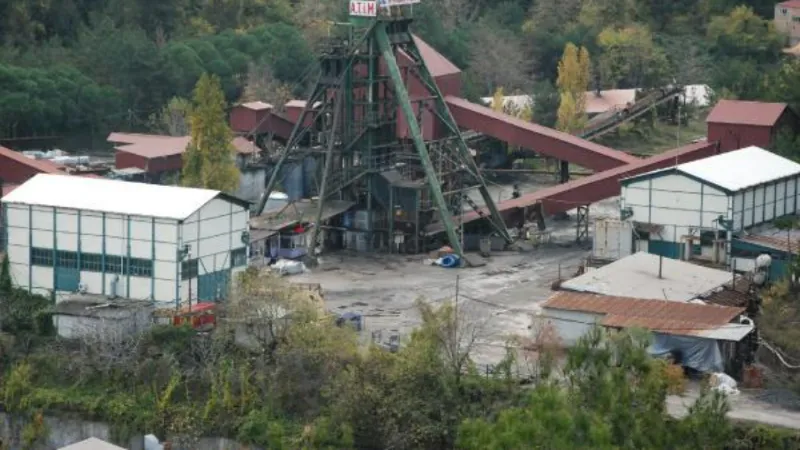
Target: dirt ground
pixel 498 299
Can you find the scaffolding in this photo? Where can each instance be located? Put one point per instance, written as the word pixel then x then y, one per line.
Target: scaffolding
pixel 363 133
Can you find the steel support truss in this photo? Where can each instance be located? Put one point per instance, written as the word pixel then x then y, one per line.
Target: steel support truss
pixel 352 111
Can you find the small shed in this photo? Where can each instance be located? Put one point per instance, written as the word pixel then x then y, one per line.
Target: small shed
pixel 689 209
pixel 738 124
pixel 706 335
pixel 98 317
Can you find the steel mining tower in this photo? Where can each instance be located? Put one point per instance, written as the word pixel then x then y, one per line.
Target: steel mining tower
pixel 350 126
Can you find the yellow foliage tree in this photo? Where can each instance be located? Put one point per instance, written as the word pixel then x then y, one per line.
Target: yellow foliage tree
pixel 573 82
pixel 498 100
pixel 571 113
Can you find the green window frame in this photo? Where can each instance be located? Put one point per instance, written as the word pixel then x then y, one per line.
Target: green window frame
pixel 91 262
pixel 189 269
pixel 41 257
pixel 114 264
pixel 66 259
pixel 139 267
pixel 239 257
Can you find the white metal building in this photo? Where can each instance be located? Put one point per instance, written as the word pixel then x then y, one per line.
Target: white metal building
pixel 124 239
pixel 692 208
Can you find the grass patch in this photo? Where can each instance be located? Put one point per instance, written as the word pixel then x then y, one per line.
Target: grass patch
pixel 646 139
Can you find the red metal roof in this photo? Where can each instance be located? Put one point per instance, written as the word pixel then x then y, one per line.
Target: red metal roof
pixel 42 165
pixel 790 4
pixel 437 64
pixel 256 106
pixel 656 315
pixel 736 112
pixel 157 146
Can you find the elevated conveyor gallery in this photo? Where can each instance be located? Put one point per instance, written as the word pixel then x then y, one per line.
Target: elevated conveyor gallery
pixel 543 140
pixel 591 189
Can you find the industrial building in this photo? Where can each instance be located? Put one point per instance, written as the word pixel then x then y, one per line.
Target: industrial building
pixel 159 159
pixel 736 124
pixel 121 239
pixel 693 209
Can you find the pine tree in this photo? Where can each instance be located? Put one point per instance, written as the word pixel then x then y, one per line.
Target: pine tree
pixel 209 160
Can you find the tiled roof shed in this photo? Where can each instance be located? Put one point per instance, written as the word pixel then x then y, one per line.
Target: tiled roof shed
pixel 683 319
pixel 739 124
pixel 156 153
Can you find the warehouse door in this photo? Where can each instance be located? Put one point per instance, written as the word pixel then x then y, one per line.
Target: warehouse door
pixel 67 275
pixel 213 286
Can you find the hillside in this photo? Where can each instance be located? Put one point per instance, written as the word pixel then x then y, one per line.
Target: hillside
pixel 75 66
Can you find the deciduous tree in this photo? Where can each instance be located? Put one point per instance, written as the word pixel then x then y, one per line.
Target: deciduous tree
pixel 573 82
pixel 630 58
pixel 173 119
pixel 209 159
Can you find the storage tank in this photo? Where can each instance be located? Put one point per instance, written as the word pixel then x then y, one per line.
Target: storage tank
pixel 309 174
pixel 293 181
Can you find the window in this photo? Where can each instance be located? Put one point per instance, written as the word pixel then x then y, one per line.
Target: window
pixel 41 257
pixel 239 257
pixel 113 264
pixel 707 238
pixel 140 267
pixel 189 269
pixel 91 262
pixel 66 260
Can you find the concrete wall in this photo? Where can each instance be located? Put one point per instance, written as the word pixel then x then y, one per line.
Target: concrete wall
pixel 569 326
pixel 63 432
pixel 132 322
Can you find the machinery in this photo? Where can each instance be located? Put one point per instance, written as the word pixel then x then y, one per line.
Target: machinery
pixel 362 135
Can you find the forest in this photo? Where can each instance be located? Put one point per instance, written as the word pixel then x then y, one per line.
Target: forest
pixel 90 66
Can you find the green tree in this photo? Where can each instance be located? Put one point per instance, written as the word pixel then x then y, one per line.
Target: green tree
pixel 630 59
pixel 613 395
pixel 744 34
pixel 209 160
pixel 545 104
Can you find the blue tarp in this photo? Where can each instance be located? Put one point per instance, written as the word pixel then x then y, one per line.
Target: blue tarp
pixel 698 353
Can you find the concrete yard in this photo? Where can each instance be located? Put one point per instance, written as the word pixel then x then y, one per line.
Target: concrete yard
pixel 498 298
